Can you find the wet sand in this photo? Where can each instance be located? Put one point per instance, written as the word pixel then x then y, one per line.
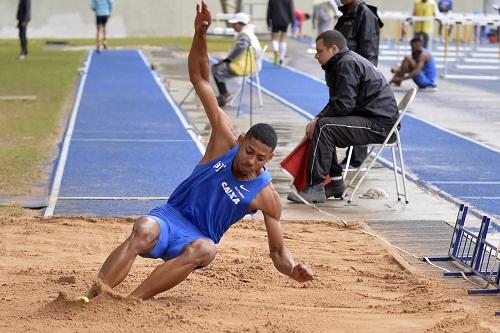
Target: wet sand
pixel 360 285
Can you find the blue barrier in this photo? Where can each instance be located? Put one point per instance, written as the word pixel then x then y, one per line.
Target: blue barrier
pixel 474 253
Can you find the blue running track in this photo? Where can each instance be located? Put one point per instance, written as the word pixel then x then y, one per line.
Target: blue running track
pixel 127 145
pixel 459 167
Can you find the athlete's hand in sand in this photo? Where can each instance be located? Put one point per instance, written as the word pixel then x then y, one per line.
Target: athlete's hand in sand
pixel 302 273
pixel 203 18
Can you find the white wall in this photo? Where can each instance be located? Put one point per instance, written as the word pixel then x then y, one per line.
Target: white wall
pixel 73 18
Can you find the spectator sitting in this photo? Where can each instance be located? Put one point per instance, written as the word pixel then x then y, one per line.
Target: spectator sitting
pixel 241 58
pixel 361 110
pixel 420 67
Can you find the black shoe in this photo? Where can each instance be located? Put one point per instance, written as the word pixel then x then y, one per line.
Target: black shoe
pixel 352 164
pixel 312 194
pixel 335 188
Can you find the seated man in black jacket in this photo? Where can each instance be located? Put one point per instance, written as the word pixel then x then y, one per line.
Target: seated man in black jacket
pixel 361 110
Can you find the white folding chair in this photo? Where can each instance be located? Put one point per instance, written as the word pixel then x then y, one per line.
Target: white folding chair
pixel 235 100
pixel 402 107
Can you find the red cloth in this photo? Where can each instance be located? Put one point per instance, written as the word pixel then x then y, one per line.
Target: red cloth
pixel 296 164
pixel 299 17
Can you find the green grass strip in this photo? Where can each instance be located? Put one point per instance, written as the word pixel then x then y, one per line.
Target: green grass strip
pixel 28 127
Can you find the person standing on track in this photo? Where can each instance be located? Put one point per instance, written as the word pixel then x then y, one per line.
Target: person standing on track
pixel 229 182
pixel 23 17
pixel 360 26
pixel 102 9
pixel 280 15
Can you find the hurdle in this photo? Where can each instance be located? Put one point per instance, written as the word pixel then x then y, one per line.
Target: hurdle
pixel 474 253
pixel 466 56
pixel 471 27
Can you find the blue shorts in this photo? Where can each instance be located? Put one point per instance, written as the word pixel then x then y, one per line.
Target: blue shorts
pixel 422 81
pixel 175 234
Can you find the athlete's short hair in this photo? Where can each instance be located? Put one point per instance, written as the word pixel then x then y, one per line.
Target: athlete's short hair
pixel 416 40
pixel 265 133
pixel 333 37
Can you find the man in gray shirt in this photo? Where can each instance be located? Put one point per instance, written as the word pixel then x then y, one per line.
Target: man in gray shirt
pixel 234 65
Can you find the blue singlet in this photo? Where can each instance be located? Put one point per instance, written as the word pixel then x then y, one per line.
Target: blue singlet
pixel 211 199
pixel 427 76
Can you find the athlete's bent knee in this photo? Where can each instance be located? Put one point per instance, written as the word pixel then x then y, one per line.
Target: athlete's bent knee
pixel 144 234
pixel 201 252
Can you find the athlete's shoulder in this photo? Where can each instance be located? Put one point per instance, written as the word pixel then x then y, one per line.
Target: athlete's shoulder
pixel 268 201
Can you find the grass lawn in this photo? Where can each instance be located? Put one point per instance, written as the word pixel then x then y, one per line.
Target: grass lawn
pixel 215 43
pixel 28 128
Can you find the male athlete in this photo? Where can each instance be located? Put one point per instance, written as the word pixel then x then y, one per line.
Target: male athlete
pixel 229 182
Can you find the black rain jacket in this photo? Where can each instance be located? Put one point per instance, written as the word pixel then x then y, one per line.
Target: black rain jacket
pixel 361 29
pixel 24 11
pixel 280 13
pixel 358 88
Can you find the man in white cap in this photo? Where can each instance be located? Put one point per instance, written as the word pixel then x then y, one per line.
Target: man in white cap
pixel 241 60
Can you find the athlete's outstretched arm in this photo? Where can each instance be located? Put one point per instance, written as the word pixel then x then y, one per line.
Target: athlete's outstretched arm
pixel 222 137
pixel 198 55
pixel 283 260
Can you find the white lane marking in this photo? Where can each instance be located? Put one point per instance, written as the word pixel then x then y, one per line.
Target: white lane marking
pixel 464 182
pixel 130 140
pixel 482 198
pixel 174 105
pixel 113 198
pixel 56 185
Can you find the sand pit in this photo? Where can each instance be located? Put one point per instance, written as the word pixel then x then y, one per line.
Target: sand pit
pixel 359 285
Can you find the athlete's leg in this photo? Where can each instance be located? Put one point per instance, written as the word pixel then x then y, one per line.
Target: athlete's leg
pixel 407 66
pixel 116 267
pixel 198 253
pixel 104 41
pixel 283 45
pixel 98 36
pixel 275 36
